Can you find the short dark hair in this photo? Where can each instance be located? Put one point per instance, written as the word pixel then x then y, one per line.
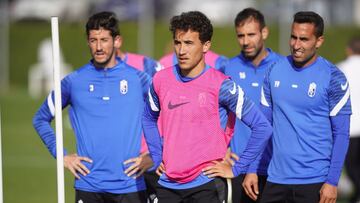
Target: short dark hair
pixel 313 18
pixel 250 13
pixel 195 21
pixel 354 45
pixel 105 20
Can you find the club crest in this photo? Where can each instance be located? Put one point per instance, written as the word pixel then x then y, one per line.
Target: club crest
pixel 242 75
pixel 202 99
pixel 312 89
pixel 123 86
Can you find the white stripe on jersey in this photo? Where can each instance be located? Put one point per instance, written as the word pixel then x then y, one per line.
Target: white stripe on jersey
pixel 341 103
pixel 51 105
pixel 263 99
pixel 240 102
pixel 152 103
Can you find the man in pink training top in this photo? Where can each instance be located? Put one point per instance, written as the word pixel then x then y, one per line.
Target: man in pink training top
pixel 190 98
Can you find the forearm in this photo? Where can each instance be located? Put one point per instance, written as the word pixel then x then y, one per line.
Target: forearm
pixel 340 129
pixel 152 137
pixel 42 124
pixel 261 133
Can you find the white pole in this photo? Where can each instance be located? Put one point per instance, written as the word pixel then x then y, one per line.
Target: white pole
pixel 58 110
pixel 1 174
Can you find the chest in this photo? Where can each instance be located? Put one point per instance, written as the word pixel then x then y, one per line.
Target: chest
pixel 107 89
pixel 299 90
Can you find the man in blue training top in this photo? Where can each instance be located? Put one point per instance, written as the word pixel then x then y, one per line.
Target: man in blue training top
pixel 248 69
pixel 107 164
pixel 308 101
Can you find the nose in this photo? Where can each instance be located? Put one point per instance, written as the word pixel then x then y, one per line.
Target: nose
pixel 295 43
pixel 245 41
pixel 98 46
pixel 182 49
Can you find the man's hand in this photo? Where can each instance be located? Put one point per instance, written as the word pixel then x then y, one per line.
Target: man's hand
pixel 230 157
pixel 73 163
pixel 328 193
pixel 139 165
pixel 161 169
pixel 219 169
pixel 250 185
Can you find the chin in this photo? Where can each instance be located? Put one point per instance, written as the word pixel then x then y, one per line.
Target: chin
pixel 184 67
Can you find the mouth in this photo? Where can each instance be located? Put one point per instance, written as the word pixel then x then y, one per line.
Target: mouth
pixel 248 50
pixel 297 53
pixel 99 53
pixel 182 60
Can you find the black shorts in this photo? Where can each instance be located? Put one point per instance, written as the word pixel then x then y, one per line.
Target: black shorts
pixel 292 193
pixel 151 180
pixel 96 197
pixel 238 192
pixel 214 191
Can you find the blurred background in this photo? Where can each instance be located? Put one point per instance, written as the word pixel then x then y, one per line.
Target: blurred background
pixel 29 172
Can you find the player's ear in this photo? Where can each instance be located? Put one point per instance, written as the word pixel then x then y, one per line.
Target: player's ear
pixel 117 41
pixel 319 42
pixel 265 33
pixel 206 46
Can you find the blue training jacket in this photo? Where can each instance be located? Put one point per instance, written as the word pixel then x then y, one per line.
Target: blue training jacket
pixel 106 107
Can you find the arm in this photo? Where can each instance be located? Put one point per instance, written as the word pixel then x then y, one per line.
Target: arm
pixel 266 109
pixel 143 162
pixel 45 114
pixel 42 124
pixel 150 128
pixel 233 97
pixel 340 106
pixel 261 132
pixel 340 127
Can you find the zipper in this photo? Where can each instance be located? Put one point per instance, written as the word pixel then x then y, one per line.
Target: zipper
pixel 106 96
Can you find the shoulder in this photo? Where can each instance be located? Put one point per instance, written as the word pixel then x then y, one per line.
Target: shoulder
pixel 81 71
pixel 280 64
pixel 234 62
pixel 327 66
pixel 216 75
pixel 164 73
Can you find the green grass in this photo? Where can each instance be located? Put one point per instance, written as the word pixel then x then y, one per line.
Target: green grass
pixel 29 170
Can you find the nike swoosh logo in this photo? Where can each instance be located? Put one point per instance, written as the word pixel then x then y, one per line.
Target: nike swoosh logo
pixel 173 106
pixel 233 91
pixel 344 87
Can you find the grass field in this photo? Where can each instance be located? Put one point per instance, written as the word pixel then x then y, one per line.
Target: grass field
pixel 29 170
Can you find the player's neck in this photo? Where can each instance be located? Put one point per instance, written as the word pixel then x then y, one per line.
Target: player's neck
pixel 306 63
pixel 259 57
pixel 195 71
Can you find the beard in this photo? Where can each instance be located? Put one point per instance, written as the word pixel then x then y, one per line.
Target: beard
pixel 100 64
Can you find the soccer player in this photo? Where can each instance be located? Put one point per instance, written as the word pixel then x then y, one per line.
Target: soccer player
pixel 307 99
pixel 248 70
pixel 350 67
pixel 106 99
pixel 189 97
pixel 211 58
